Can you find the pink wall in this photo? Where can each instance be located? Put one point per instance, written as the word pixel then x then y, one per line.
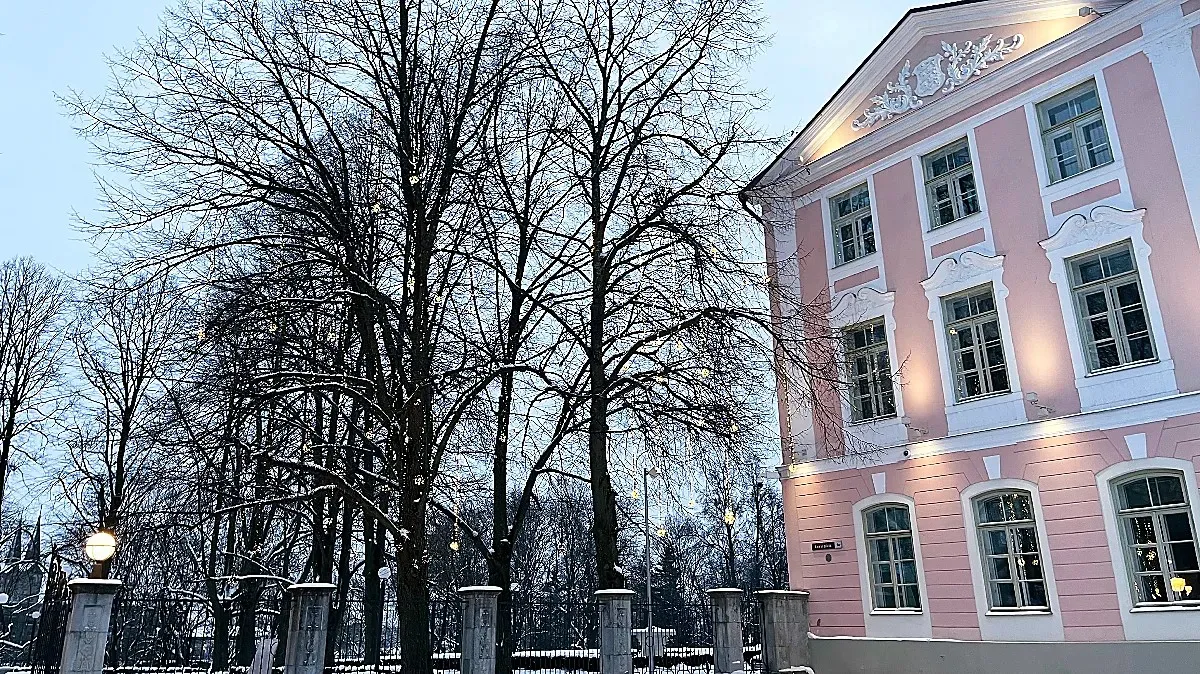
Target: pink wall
pixel 904 260
pixel 1010 181
pixel 819 507
pixel 814 291
pixel 1156 185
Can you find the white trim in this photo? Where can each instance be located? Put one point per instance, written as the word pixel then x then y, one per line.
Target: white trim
pixel 1097 420
pixel 853 307
pixel 800 440
pixel 885 623
pixel 953 275
pixel 1105 226
pixel 981 220
pixel 1026 625
pixel 1147 624
pixel 838 272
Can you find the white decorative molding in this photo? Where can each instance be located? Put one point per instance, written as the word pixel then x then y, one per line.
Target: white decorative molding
pixel 1137 445
pixel 855 307
pixel 962 64
pixel 879 482
pixel 893 623
pixel 960 273
pixel 992 465
pixel 1079 234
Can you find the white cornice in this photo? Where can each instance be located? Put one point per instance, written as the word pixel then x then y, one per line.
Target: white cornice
pixel 1122 19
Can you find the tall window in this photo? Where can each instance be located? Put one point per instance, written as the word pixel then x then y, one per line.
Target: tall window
pixel 975 343
pixel 1159 538
pixel 871 392
pixel 893 558
pixel 1112 315
pixel 1011 555
pixel 950 184
pixel 853 229
pixel 1073 132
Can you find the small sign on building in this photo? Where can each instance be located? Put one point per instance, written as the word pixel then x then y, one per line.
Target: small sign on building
pixel 826 545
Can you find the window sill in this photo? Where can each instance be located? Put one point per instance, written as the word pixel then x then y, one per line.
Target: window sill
pixel 1122 368
pixel 1082 181
pixel 873 420
pixel 984 399
pixel 954 226
pixel 841 270
pixel 1165 609
pixel 1022 613
pixel 897 611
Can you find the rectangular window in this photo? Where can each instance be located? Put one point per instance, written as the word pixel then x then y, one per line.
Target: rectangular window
pixel 975 344
pixel 1159 539
pixel 1073 132
pixel 1011 555
pixel 1111 311
pixel 950 184
pixel 871 393
pixel 853 229
pixel 893 557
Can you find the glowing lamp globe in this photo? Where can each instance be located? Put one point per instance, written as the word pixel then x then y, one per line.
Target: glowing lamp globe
pixel 1178 584
pixel 100 546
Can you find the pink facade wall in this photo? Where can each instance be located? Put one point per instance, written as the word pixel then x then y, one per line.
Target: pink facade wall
pixel 819 507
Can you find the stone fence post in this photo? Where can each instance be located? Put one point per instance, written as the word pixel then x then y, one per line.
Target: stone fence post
pixel 728 653
pixel 616 631
pixel 478 652
pixel 87 626
pixel 308 627
pixel 784 616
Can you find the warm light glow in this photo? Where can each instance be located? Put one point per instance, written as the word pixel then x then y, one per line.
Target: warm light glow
pixel 100 546
pixel 1177 584
pixel 729 517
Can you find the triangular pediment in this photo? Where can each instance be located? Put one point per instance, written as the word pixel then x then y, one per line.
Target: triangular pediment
pixel 932 54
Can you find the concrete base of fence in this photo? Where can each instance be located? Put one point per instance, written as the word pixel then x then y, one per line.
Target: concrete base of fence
pixel 852 655
pixel 784 629
pixel 616 636
pixel 478 652
pixel 87 627
pixel 308 627
pixel 728 655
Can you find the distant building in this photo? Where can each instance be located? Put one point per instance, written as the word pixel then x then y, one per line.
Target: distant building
pixel 1000 212
pixel 22 577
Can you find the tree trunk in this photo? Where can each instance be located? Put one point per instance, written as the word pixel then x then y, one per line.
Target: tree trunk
pixel 412 593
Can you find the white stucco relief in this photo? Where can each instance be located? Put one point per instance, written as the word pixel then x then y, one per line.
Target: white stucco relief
pixel 961 64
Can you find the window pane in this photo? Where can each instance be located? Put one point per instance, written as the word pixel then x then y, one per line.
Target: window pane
pixel 877 521
pixel 999 378
pixel 1035 593
pixel 970 196
pixel 1000 568
pixel 1005 595
pixel 897 519
pixel 1151 589
pixel 1137 494
pixel 1089 270
pixel 1129 295
pixel 1178 526
pixel 1141 349
pixel 1118 263
pixel 992 510
pixel 1026 539
pixel 1184 556
pixel 868 236
pixel 1147 559
pixel 1167 490
pixel 883 573
pixel 908 572
pixel 883 549
pixel 904 548
pixel 1059 113
pixel 984 302
pixel 960 157
pixel 1141 531
pixel 995 542
pixel 939 166
pixel 885 597
pixel 1064 157
pixel 1095 143
pixel 1086 101
pixel 1031 567
pixel 912 596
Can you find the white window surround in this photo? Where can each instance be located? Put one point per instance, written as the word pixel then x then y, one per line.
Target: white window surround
pixel 980 220
pixel 1079 234
pixel 1155 623
pixel 1030 625
pixel 953 275
pixel 855 307
pixel 837 271
pixel 895 623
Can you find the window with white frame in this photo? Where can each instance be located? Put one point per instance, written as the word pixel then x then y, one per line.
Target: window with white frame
pixel 1073 132
pixel 869 368
pixel 1110 308
pixel 1159 539
pixel 1010 551
pixel 853 228
pixel 893 557
pixel 950 184
pixel 975 343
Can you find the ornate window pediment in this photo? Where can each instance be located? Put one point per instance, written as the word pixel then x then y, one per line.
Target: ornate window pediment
pixel 856 306
pixel 956 274
pixel 1104 224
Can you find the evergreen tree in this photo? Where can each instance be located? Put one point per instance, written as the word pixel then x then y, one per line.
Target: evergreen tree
pixel 670 609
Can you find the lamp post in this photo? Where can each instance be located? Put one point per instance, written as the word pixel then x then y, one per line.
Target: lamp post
pixel 647 473
pixel 100 548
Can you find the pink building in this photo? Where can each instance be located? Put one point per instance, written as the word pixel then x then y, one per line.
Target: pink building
pixel 1000 212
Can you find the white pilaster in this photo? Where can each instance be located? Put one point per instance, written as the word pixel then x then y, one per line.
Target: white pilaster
pixel 1169 48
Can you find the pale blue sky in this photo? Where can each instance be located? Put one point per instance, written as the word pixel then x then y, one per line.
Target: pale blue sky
pixel 49 46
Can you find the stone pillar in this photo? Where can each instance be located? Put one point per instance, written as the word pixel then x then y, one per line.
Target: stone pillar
pixel 784 619
pixel 87 627
pixel 616 631
pixel 478 652
pixel 308 627
pixel 728 650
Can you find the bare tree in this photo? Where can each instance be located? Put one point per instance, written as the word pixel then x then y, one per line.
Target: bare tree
pixel 32 311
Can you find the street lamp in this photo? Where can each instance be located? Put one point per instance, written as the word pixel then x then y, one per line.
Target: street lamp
pixel 100 547
pixel 648 473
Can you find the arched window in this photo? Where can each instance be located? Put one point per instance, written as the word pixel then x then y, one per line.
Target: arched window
pixel 1159 539
pixel 893 558
pixel 1010 552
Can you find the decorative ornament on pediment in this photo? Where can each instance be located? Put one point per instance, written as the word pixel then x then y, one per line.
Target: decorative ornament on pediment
pixel 1101 226
pixel 853 307
pixel 969 266
pixel 961 64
